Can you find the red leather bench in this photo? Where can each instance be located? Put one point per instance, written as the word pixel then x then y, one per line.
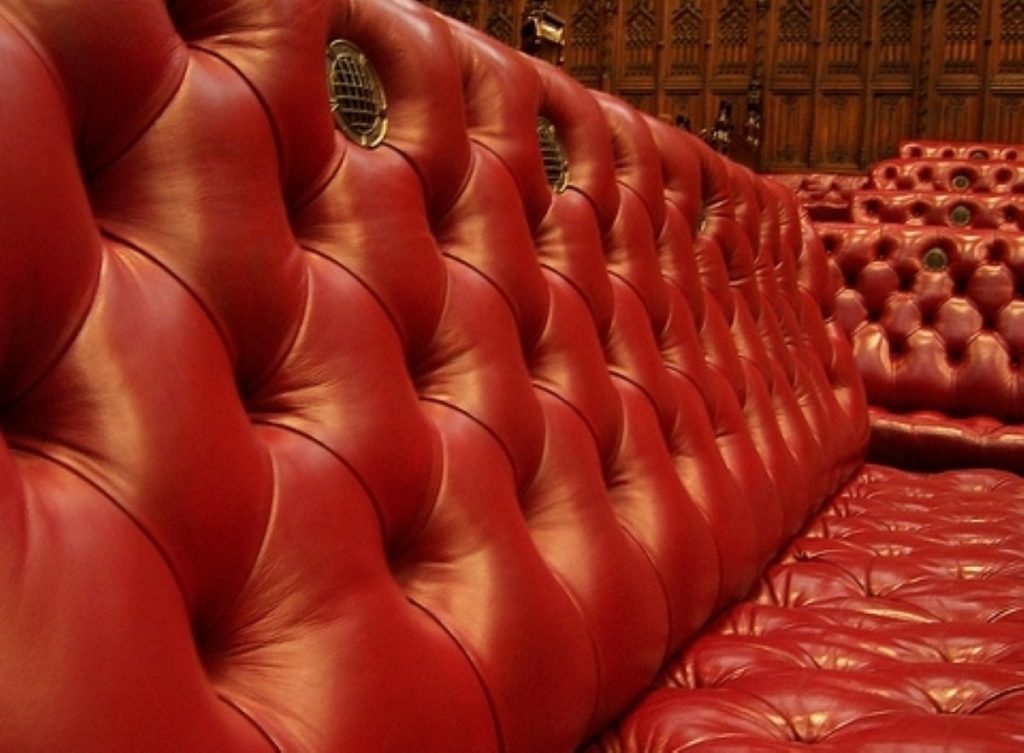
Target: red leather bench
pixel 960 150
pixel 949 175
pixel 488 416
pixel 826 196
pixel 997 211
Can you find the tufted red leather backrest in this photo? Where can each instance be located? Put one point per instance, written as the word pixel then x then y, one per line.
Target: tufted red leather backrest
pixel 996 211
pixel 960 150
pixel 311 446
pixel 935 316
pixel 949 175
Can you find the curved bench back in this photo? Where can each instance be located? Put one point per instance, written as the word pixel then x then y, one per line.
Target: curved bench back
pixel 312 442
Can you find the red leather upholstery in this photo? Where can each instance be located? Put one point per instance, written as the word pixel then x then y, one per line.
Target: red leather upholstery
pixel 315 447
pixel 952 175
pixel 892 623
pixel 960 150
pixel 947 341
pixel 825 195
pixel 997 211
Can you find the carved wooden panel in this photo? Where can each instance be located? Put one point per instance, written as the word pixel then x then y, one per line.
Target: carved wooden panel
pixel 639 40
pixel 959 116
pixel 790 132
pixel 838 137
pixel 732 43
pixel 1007 120
pixel 1010 37
pixel 843 38
pixel 793 39
pixel 467 11
pixel 841 81
pixel 583 55
pixel 642 100
pixel 499 22
pixel 686 109
pixel 895 51
pixel 962 37
pixel 685 45
pixel 893 120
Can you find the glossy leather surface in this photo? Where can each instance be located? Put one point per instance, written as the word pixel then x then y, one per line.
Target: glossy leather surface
pixel 996 211
pixel 949 175
pixel 939 347
pixel 827 196
pixel 938 149
pixel 892 623
pixel 314 447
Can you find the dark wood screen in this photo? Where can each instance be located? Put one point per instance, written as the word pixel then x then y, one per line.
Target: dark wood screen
pixel 841 81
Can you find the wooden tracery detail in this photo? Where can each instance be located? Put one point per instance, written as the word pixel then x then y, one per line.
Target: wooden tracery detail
pixel 843 37
pixel 499 21
pixel 733 37
pixel 1011 36
pixel 794 36
pixel 963 32
pixel 687 31
pixel 895 37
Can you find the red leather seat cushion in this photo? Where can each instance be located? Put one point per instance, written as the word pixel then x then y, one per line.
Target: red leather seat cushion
pixel 895 621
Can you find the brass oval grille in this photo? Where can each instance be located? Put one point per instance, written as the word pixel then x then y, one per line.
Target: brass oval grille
pixel 356 96
pixel 556 166
pixel 935 259
pixel 960 216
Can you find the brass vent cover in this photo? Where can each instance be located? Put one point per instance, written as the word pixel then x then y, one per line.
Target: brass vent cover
pixel 556 166
pixel 935 259
pixel 356 96
pixel 960 216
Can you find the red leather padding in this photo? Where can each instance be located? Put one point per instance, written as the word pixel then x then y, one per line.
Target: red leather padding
pixel 892 623
pixel 825 195
pixel 990 211
pixel 949 175
pixel 314 447
pixel 960 150
pixel 939 349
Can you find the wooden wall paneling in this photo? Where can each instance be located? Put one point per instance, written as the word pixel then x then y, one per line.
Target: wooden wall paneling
pixel 788 114
pixel 686 58
pixel 958 112
pixel 1006 122
pixel 684 63
pixel 843 81
pixel 955 99
pixel 789 81
pixel 1004 109
pixel 838 133
pixel 895 52
pixel 636 56
pixel 502 21
pixel 732 40
pixel 893 117
pixel 636 53
pixel 584 56
pixel 839 102
pixel 731 65
pixel 467 11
